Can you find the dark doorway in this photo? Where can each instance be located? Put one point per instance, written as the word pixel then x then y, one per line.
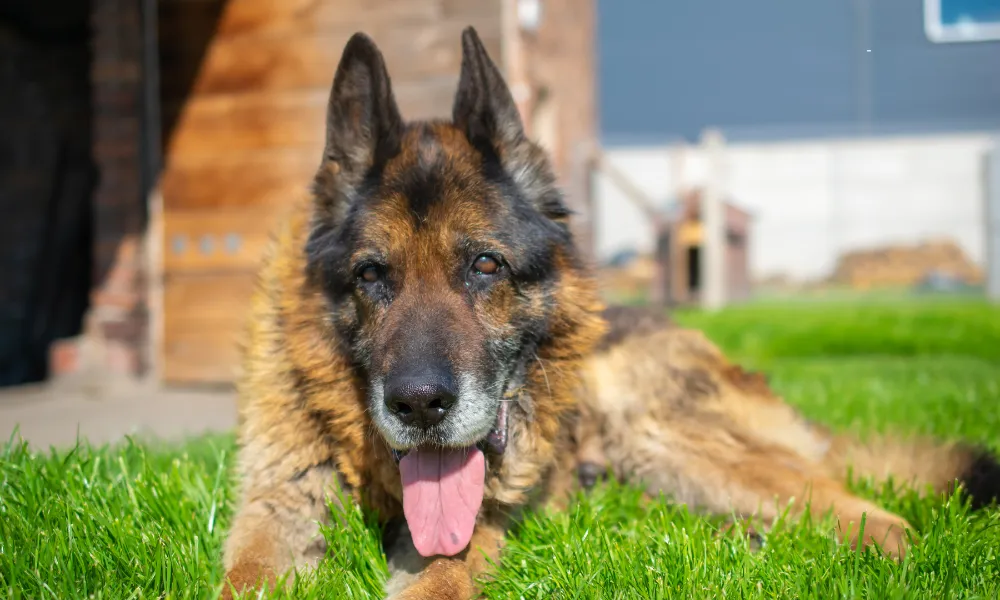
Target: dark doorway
pixel 694 269
pixel 47 178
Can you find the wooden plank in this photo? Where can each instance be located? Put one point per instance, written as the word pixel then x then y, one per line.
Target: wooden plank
pixel 271 179
pixel 185 31
pixel 244 90
pixel 182 22
pixel 200 357
pixel 216 240
pixel 210 126
pixel 195 300
pixel 473 11
pixel 230 18
pixel 255 62
pixel 204 320
pixel 301 16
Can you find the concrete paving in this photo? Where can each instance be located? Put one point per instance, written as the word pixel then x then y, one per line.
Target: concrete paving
pixel 102 412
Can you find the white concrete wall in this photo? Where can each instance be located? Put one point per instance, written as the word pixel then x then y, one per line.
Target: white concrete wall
pixel 812 200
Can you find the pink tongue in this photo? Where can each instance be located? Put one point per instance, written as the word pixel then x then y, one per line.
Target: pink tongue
pixel 442 492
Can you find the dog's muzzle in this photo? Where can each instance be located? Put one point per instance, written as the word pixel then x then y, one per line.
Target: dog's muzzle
pixel 495 442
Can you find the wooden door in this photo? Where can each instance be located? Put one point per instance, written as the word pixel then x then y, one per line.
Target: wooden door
pixel 244 86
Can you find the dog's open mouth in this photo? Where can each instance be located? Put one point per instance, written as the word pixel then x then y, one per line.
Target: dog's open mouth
pixel 443 490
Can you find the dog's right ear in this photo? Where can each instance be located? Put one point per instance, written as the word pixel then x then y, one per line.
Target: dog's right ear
pixel 363 124
pixel 484 107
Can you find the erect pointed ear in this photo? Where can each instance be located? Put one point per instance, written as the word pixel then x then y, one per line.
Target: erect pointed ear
pixel 484 107
pixel 485 111
pixel 363 124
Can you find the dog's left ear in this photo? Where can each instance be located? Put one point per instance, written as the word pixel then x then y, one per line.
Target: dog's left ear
pixel 485 111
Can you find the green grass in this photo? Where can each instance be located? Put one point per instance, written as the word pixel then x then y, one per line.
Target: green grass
pixel 146 521
pixel 762 332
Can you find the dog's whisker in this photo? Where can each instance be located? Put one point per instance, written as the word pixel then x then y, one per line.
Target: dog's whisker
pixel 544 374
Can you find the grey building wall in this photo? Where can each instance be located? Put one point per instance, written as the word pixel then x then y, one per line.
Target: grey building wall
pixel 778 69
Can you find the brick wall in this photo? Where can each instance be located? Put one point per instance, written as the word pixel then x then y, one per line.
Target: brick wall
pixel 561 64
pixel 115 338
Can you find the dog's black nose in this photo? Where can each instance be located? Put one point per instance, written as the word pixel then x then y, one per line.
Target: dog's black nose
pixel 421 402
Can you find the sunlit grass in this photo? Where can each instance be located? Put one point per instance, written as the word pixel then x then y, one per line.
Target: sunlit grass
pixel 147 521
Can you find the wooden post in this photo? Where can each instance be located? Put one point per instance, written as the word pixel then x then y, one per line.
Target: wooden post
pixel 660 293
pixel 992 189
pixel 678 164
pixel 582 199
pixel 713 295
pixel 513 60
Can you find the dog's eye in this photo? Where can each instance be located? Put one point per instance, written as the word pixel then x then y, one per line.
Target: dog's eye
pixel 369 274
pixel 486 265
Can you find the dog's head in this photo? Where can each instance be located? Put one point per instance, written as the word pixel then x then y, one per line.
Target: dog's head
pixel 438 246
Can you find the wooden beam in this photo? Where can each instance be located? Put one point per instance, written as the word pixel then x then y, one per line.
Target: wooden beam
pixel 992 189
pixel 641 199
pixel 713 292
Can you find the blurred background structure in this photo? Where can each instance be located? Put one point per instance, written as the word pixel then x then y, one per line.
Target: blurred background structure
pixel 155 144
pixel 716 151
pixel 856 134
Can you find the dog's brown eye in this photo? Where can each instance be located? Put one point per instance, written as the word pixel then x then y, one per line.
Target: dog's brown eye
pixel 369 274
pixel 486 265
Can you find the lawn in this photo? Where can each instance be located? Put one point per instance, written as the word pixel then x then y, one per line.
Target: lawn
pixel 143 520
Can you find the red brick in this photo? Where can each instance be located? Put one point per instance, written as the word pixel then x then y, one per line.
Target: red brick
pixel 121 358
pixel 122 300
pixel 113 70
pixel 116 127
pixel 64 357
pixel 129 330
pixel 116 149
pixel 119 312
pixel 120 278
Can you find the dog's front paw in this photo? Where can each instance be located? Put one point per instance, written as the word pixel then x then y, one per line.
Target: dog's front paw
pixel 888 532
pixel 244 578
pixel 443 579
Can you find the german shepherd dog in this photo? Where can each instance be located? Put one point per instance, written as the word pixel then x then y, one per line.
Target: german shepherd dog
pixel 426 337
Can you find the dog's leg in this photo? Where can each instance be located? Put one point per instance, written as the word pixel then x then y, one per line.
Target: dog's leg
pixel 881 527
pixel 724 473
pixel 591 462
pixel 414 577
pixel 276 526
pixel 762 485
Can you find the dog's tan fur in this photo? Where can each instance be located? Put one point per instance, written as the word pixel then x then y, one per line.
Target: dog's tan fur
pixel 669 410
pixel 621 389
pixel 304 432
